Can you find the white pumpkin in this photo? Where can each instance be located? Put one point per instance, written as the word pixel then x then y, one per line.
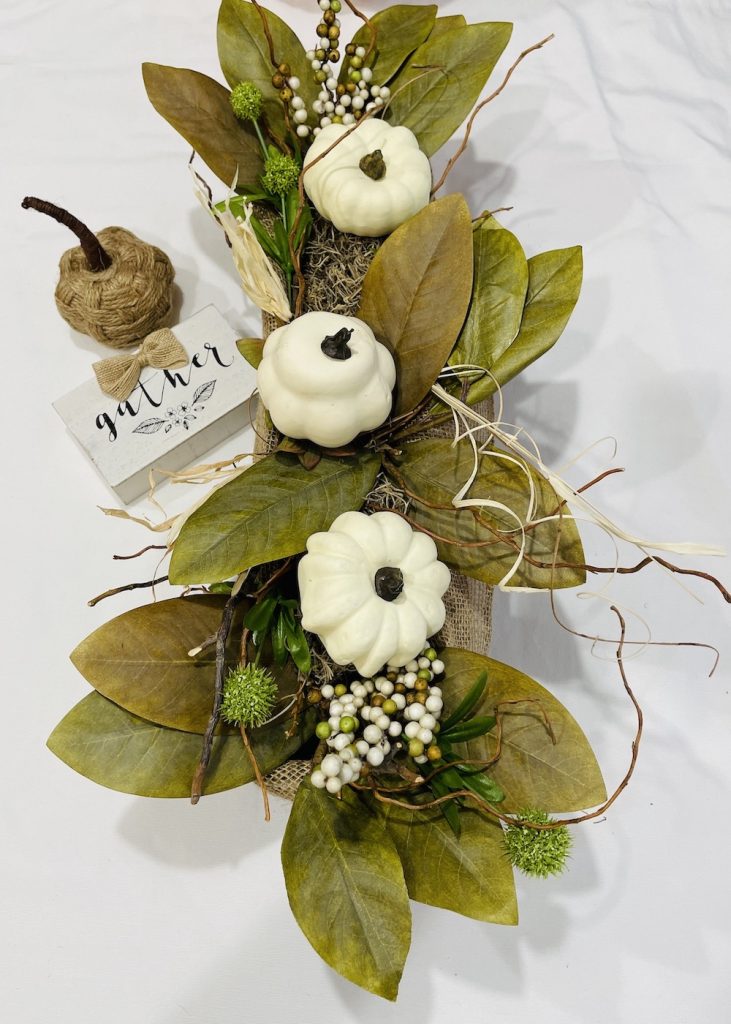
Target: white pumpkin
pixel 371 588
pixel 324 377
pixel 370 182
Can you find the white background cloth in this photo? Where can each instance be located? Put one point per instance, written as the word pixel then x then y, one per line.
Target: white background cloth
pixel 132 911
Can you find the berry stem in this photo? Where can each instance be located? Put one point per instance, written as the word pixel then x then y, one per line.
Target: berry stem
pixel 96 255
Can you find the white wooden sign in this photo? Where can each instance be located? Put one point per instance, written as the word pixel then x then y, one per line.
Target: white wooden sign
pixel 173 417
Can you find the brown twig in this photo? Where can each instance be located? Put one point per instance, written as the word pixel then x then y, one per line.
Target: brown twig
pixel 142 551
pixel 272 56
pixel 221 640
pixel 257 771
pixel 127 586
pixel 480 106
pixel 96 255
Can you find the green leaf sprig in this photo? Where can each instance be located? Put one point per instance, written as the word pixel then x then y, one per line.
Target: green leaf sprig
pixel 275 618
pixel 459 727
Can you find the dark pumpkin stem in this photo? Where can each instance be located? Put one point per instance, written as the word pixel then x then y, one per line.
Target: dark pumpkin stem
pixel 96 255
pixel 389 583
pixel 373 165
pixel 336 345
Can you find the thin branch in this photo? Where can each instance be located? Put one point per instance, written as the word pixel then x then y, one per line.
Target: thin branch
pixel 257 772
pixel 221 640
pixel 142 551
pixel 480 106
pixel 127 586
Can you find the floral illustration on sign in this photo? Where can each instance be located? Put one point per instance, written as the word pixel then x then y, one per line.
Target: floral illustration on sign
pixel 179 416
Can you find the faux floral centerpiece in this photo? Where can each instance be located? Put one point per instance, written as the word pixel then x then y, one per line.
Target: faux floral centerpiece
pixel 331 641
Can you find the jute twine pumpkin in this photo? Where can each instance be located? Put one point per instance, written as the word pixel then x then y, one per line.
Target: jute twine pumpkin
pixel 112 286
pixel 335 268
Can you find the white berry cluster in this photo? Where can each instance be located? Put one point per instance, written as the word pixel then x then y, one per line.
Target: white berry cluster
pixel 341 103
pixel 398 710
pixel 298 109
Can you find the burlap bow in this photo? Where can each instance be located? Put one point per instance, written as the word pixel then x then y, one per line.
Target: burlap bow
pixel 118 376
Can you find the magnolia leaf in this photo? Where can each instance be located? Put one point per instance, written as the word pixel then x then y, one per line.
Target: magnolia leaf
pixel 531 769
pixel 268 512
pixel 442 81
pixel 400 29
pixel 416 293
pixel 199 109
pixel 346 888
pixel 118 750
pixel 140 661
pixel 243 51
pixel 436 471
pixel 553 290
pixel 252 349
pixel 498 296
pixel 470 875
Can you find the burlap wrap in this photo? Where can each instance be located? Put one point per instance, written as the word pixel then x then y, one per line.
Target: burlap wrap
pixel 335 268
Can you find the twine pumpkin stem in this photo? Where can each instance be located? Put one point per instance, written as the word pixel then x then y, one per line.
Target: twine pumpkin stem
pixel 96 255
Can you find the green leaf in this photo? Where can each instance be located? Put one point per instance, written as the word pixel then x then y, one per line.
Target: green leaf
pixel 259 618
pixel 267 513
pixel 401 29
pixel 483 786
pixel 199 109
pixel 553 291
pixel 498 297
pixel 252 349
pixel 449 809
pixel 416 293
pixel 469 874
pixel 470 729
pixel 298 648
pixel 244 54
pixel 436 471
pixel 140 661
pixel 531 770
pixel 466 705
pixel 118 750
pixel 346 888
pixel 434 104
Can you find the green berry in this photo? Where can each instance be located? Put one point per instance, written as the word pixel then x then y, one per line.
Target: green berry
pixel 322 730
pixel 246 101
pixel 390 707
pixel 416 748
pixel 281 174
pixel 249 696
pixel 341 689
pixel 539 852
pixel 336 6
pixel 424 673
pixel 356 62
pixel 355 76
pixel 430 653
pixel 348 724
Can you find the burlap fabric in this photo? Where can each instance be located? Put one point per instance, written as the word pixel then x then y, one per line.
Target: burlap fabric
pixel 335 268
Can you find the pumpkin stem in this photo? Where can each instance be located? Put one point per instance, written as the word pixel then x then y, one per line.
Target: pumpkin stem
pixel 96 255
pixel 373 165
pixel 389 582
pixel 336 345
